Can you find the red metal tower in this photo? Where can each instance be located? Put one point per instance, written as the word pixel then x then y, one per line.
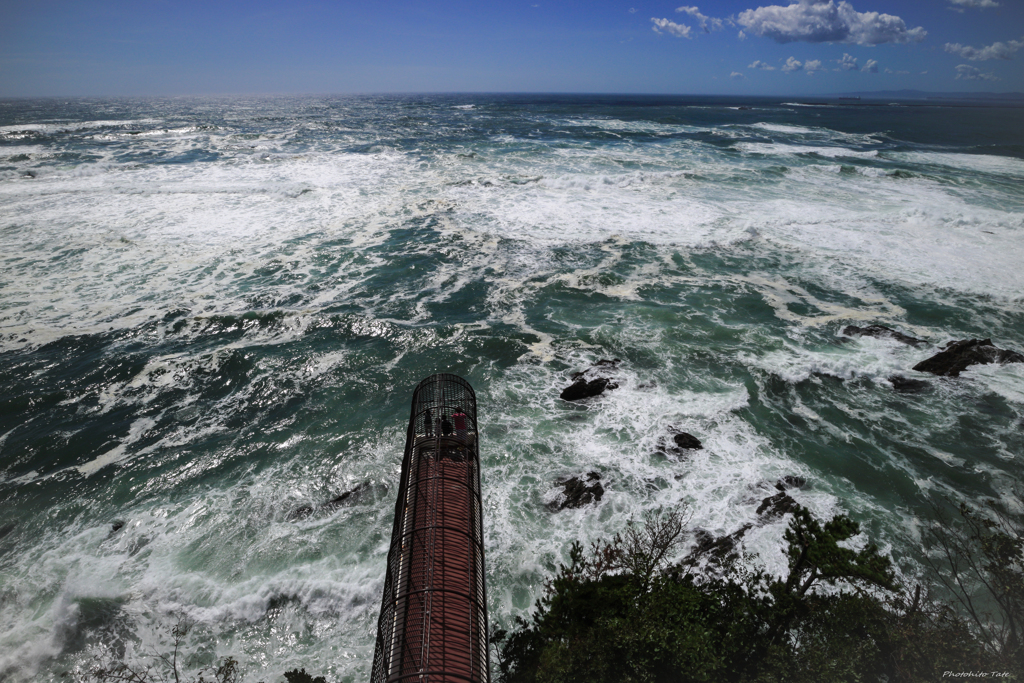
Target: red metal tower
pixel 433 615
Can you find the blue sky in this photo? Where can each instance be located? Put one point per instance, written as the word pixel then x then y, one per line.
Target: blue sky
pixel 157 47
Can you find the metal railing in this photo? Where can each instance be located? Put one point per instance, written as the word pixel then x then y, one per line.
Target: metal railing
pixel 433 615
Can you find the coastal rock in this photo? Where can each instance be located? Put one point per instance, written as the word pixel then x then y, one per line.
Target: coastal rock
pixel 603 364
pixel 680 441
pixel 957 356
pixel 581 389
pixel 777 505
pixel 882 332
pixel 716 547
pixel 591 382
pixel 906 385
pixel 578 491
pixel 790 481
pixel 347 498
pixel 116 526
pixel 300 512
pixel 685 441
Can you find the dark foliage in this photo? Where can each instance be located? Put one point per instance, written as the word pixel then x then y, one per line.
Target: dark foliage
pixel 618 613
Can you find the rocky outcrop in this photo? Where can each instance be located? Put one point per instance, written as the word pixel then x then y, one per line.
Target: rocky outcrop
pixel 777 505
pixel 581 389
pixel 591 382
pixel 347 498
pixel 679 442
pixel 882 332
pixel 957 356
pixel 686 441
pixel 578 491
pixel 715 547
pixel 790 481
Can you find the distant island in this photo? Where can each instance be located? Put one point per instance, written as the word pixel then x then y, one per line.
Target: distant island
pixel 927 95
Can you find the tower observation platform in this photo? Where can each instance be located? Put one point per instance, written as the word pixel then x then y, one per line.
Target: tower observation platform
pixel 433 614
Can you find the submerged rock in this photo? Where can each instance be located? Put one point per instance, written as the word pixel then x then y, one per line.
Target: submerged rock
pixel 300 512
pixel 347 498
pixel 590 383
pixel 777 505
pixel 882 332
pixel 906 385
pixel 957 356
pixel 116 526
pixel 577 492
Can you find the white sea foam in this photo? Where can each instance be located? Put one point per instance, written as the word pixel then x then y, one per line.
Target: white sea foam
pixel 117 245
pixel 780 128
pixel 784 149
pixel 983 163
pixel 636 126
pixel 68 126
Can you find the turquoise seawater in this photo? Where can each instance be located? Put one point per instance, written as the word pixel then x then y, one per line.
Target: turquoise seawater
pixel 214 311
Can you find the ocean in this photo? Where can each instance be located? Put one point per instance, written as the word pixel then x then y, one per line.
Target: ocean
pixel 213 312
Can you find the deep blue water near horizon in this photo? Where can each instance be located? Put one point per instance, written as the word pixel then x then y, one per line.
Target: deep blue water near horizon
pixel 213 311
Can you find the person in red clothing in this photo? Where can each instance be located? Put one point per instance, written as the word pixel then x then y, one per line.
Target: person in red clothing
pixel 461 432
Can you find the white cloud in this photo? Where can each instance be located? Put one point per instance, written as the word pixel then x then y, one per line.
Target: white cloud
pixel 812 65
pixel 758 64
pixel 632 10
pixel 848 62
pixel 996 50
pixel 899 73
pixel 966 72
pixel 871 67
pixel 816 21
pixel 959 5
pixel 736 75
pixel 792 64
pixel 671 27
pixel 741 35
pixel 709 24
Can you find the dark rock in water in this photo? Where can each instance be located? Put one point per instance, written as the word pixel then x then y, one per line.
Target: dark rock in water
pixel 577 492
pixel 116 526
pixel 300 512
pixel 957 356
pixel 715 550
pixel 604 363
pixel 709 545
pixel 790 481
pixel 686 441
pixel 590 382
pixel 348 497
pixel 777 505
pixel 681 441
pixel 906 385
pixel 581 388
pixel 882 332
